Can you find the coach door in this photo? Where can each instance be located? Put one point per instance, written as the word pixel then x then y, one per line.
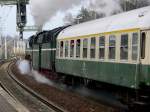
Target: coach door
pixel 145 50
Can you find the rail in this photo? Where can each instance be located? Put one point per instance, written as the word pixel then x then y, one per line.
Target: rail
pixel 38 96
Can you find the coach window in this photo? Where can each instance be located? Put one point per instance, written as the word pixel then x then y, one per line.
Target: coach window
pixel 66 49
pixel 78 44
pixel 93 47
pixel 134 46
pixel 101 47
pixel 143 42
pixel 71 48
pixel 112 46
pixel 85 46
pixel 124 47
pixel 61 48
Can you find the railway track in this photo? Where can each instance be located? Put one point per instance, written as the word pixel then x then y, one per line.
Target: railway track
pixel 33 93
pixel 48 102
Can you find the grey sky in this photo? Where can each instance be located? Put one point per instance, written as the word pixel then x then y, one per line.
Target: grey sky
pixel 8 21
pixel 56 14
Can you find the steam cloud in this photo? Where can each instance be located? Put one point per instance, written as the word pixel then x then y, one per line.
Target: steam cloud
pixel 106 7
pixel 39 78
pixel 43 10
pixel 24 68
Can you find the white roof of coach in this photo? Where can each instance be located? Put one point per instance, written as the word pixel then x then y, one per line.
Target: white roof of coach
pixel 139 18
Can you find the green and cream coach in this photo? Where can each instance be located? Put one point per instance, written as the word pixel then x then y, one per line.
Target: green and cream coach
pixel 113 50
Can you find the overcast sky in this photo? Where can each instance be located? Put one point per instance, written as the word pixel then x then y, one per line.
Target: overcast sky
pixel 55 10
pixel 8 21
pixel 49 9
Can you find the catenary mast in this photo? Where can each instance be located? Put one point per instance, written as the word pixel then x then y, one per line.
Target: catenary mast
pixel 21 13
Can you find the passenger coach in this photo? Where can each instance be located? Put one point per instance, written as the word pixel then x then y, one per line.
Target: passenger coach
pixel 113 50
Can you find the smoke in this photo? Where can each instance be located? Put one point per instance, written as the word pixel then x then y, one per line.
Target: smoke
pixel 106 7
pixel 148 1
pixel 101 7
pixel 43 10
pixel 39 78
pixel 25 69
pixel 24 66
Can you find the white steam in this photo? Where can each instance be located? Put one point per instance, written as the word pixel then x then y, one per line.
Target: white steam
pixel 39 78
pixel 106 7
pixel 25 69
pixel 43 10
pixel 24 66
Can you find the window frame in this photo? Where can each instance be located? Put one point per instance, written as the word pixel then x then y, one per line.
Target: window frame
pixel 112 36
pixel 92 48
pixel 72 55
pixel 128 37
pixel 85 48
pixel 135 45
pixel 102 47
pixel 78 48
pixel 66 56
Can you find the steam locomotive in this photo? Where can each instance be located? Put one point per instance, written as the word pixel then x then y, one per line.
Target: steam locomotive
pixel 113 50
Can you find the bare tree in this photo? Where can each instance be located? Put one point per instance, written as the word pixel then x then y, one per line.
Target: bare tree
pixel 68 19
pixel 87 15
pixel 133 4
pixel 83 16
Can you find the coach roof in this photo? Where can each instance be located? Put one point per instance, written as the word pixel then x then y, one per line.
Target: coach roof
pixel 139 18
